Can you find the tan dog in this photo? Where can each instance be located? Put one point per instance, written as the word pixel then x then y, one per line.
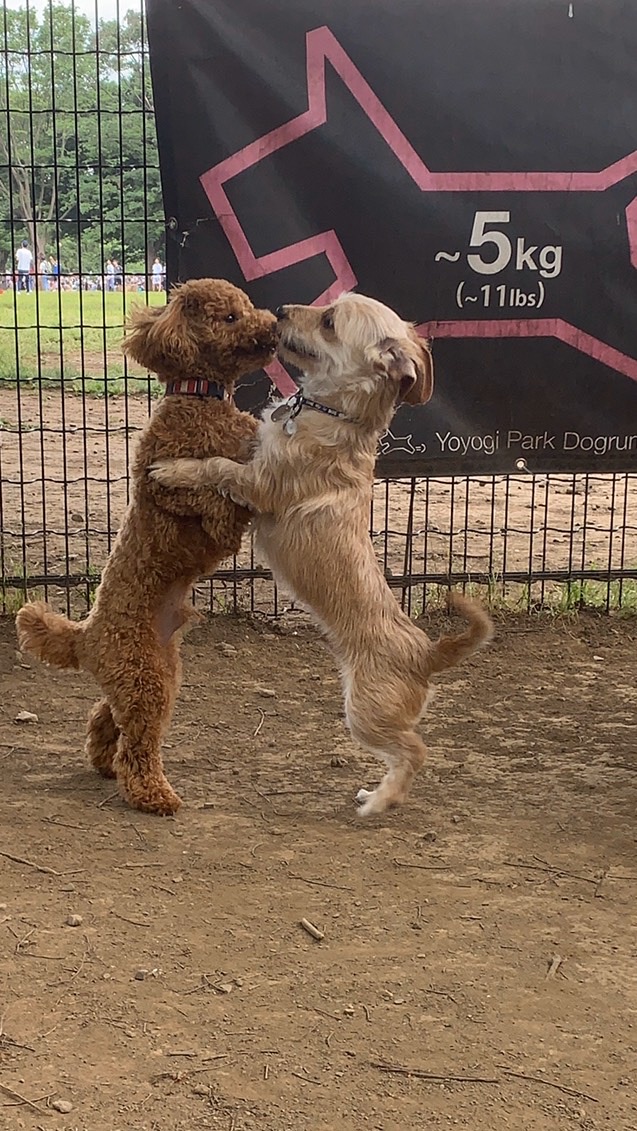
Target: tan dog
pixel 310 482
pixel 206 338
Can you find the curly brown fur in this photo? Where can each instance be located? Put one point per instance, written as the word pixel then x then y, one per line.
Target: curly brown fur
pixel 312 486
pixel 130 641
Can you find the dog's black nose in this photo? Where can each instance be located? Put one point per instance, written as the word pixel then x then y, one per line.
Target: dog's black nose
pixel 281 312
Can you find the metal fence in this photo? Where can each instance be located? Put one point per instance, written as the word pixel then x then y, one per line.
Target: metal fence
pixel 80 192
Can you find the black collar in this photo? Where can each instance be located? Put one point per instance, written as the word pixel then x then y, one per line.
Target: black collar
pixel 195 387
pixel 290 409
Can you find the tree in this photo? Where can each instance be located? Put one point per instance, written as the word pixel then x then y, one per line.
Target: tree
pixel 77 139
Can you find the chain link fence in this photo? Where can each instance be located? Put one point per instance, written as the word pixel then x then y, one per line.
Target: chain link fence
pixel 81 238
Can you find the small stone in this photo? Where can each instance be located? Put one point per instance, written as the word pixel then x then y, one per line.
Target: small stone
pixel 456 819
pixel 225 987
pixel 228 650
pixel 140 975
pixel 430 838
pixel 63 1106
pixel 349 1011
pixel 26 717
pixel 74 920
pixel 399 1001
pixel 266 692
pixel 201 1090
pixel 3 906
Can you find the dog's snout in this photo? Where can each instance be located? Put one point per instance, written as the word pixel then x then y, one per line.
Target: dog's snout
pixel 281 313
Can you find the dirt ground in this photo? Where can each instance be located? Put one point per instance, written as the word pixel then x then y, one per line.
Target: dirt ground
pixel 479 961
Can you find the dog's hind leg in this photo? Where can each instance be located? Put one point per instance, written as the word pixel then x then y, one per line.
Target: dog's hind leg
pixel 382 710
pixel 404 754
pixel 142 710
pixel 102 736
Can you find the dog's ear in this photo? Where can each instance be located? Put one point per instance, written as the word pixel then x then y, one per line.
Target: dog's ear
pixel 421 390
pixel 161 338
pixel 410 366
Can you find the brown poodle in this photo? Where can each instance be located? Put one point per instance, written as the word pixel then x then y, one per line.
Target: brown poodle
pixel 206 338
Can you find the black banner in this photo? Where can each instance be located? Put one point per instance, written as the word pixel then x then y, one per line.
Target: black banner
pixel 472 163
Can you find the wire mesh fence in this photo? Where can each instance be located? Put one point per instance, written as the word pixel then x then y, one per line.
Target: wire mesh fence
pixel 82 236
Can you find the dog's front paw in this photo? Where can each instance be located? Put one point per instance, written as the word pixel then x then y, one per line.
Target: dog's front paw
pixel 176 472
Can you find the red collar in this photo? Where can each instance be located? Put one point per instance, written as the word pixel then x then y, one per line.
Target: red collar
pixel 195 387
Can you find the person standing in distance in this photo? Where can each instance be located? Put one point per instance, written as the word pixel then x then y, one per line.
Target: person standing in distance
pixel 158 274
pixel 23 259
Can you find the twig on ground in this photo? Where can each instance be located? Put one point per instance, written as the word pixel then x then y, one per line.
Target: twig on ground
pixel 38 867
pixel 288 792
pixel 260 724
pixel 142 864
pixel 549 1084
pixel 553 869
pixel 64 824
pixel 111 797
pixel 9 1040
pixel 134 922
pixel 554 964
pixel 323 1012
pixel 308 1079
pixel 312 930
pixel 319 883
pixel 421 1074
pixel 181 1073
pixel 442 993
pixel 20 943
pixel 22 1100
pixel 160 887
pixel 424 867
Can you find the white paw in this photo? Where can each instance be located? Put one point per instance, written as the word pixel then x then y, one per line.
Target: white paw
pixel 371 801
pixel 363 794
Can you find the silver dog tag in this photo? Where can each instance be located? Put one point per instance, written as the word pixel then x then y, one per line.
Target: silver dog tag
pixel 282 413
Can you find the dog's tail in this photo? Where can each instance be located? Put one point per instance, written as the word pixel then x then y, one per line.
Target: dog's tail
pixel 448 651
pixel 49 636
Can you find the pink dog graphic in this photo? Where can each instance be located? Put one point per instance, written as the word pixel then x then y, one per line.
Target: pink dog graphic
pixel 322 48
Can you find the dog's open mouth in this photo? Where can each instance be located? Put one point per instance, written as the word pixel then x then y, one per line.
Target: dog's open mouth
pixel 292 345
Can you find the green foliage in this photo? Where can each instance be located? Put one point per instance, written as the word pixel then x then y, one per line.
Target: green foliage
pixel 77 131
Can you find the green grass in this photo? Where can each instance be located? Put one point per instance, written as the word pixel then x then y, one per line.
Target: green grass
pixel 560 598
pixel 72 337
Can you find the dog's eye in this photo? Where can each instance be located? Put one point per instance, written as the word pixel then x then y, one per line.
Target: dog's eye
pixel 230 318
pixel 327 321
